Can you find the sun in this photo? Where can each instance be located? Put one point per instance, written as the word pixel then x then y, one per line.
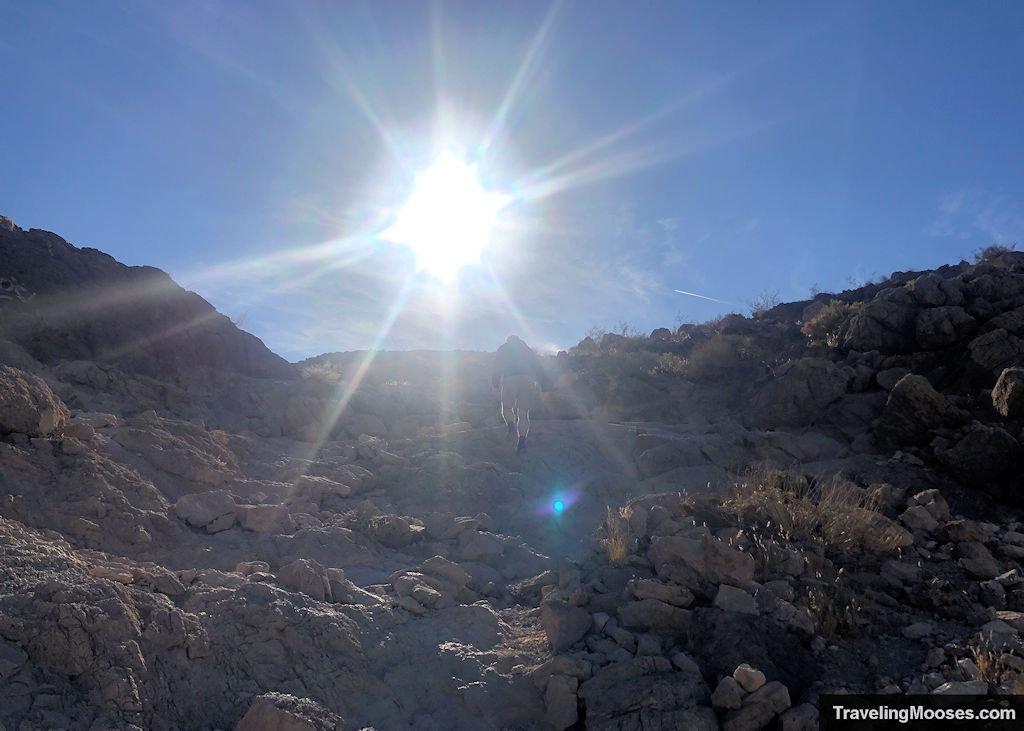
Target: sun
pixel 448 218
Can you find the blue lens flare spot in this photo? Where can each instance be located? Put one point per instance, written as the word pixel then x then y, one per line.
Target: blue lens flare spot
pixel 559 506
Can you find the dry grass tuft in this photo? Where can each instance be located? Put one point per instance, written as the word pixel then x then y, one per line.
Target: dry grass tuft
pixel 616 540
pixel 787 507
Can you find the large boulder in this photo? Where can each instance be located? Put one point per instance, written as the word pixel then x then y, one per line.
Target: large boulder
pixel 982 454
pixel 28 406
pixel 713 559
pixel 283 712
pixel 1008 394
pixel 886 323
pixel 913 410
pixel 996 350
pixel 938 327
pixel 800 391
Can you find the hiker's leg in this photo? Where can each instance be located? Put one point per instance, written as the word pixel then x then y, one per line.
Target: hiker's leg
pixel 527 396
pixel 507 403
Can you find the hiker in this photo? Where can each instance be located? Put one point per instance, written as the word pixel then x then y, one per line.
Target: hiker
pixel 519 377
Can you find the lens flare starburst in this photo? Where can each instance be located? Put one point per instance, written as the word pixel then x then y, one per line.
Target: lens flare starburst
pixel 448 218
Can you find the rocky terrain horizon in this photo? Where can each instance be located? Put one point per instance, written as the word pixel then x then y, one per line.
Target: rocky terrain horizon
pixel 713 525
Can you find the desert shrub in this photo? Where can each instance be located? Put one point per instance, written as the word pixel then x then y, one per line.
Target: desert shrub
pixel 992 253
pixel 763 302
pixel 829 326
pixel 616 535
pixel 322 371
pixel 786 507
pixel 722 356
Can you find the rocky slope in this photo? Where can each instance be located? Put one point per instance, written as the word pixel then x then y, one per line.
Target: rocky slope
pixel 195 534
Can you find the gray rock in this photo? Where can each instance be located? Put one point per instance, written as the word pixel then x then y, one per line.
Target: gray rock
pixel 673 594
pixel 995 351
pixel 711 558
pixel 890 377
pixel 283 712
pixel 913 410
pixel 749 678
pixel 560 701
pixel 1008 394
pixel 882 325
pixel 266 518
pixel 564 623
pixel 28 405
pixel 800 391
pixel 919 520
pixel 731 599
pixel 654 615
pixel 803 717
pixel 202 508
pixel 939 327
pixel 758 708
pixel 728 695
pixel 970 687
pixel 982 453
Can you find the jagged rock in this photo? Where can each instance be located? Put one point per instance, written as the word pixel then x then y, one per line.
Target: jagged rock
pixel 1008 393
pixel 749 678
pixel 560 701
pixel 933 501
pixel 713 559
pixel 919 520
pixel 938 327
pixel 728 694
pixel 673 594
pixel 995 351
pixel 28 405
pixel 983 453
pixel 800 391
pixel 307 577
pixel 283 712
pixel 651 614
pixel 890 377
pixel 200 509
pixel 647 688
pixel 12 659
pixel 563 623
pixel 731 599
pixel 266 518
pixel 913 410
pixel 758 708
pixel 955 687
pixel 478 546
pixel 883 324
pixel 803 717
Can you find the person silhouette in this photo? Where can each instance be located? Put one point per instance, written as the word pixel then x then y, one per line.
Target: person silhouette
pixel 519 378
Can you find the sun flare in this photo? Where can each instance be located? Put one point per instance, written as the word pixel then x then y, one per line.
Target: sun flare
pixel 448 218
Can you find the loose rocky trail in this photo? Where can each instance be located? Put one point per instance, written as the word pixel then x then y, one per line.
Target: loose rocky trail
pixel 195 534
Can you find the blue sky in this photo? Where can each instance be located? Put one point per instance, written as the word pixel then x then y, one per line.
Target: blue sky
pixel 255 150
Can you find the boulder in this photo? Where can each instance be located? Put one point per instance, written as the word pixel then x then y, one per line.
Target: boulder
pixel 799 392
pixel 306 577
pixel 731 599
pixel 560 701
pixel 713 559
pixel 982 453
pixel 758 708
pixel 654 615
pixel 283 712
pixel 266 518
pixel 564 623
pixel 995 351
pixel 938 327
pixel 200 509
pixel 914 408
pixel 1008 394
pixel 728 695
pixel 28 405
pixel 884 325
pixel 750 678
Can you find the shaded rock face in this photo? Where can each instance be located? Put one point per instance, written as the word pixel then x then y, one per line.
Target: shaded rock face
pixel 913 411
pixel 799 393
pixel 87 306
pixel 1008 394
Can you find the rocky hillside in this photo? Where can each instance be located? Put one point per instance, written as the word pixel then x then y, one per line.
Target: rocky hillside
pixel 710 527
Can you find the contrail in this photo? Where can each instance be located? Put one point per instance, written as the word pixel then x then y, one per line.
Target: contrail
pixel 693 294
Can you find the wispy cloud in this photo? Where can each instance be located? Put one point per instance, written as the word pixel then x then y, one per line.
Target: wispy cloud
pixel 969 213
